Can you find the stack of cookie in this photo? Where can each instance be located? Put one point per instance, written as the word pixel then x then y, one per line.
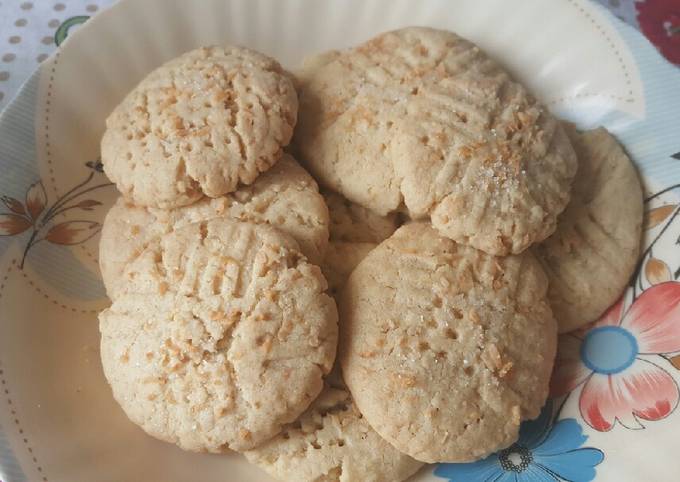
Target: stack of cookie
pixel 220 331
pixel 460 226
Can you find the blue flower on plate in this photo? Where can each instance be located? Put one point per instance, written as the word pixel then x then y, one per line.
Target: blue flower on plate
pixel 544 452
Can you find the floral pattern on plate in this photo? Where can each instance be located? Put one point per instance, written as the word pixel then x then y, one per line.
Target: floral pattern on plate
pixel 620 364
pixel 618 385
pixel 547 449
pixel 32 214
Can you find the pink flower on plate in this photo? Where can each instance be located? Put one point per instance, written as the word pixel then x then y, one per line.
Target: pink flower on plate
pixel 604 357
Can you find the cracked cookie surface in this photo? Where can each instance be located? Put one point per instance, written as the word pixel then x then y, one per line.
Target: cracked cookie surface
pixel 592 254
pixel 201 124
pixel 446 349
pixel 285 196
pixel 424 119
pixel 221 336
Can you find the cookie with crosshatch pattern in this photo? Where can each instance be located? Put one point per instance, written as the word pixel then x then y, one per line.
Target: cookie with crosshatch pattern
pixel 444 348
pixel 423 119
pixel 221 336
pixel 592 254
pixel 285 196
pixel 332 442
pixel 200 124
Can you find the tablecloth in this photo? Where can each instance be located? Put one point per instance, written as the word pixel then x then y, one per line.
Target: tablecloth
pixel 31 30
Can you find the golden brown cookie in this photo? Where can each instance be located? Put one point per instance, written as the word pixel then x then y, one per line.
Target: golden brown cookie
pixel 423 118
pixel 354 231
pixel 285 196
pixel 332 442
pixel 446 349
pixel 200 124
pixel 221 336
pixel 593 253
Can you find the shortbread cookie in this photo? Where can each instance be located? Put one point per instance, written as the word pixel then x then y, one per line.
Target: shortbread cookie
pixel 332 442
pixel 311 64
pixel 199 125
pixel 351 222
pixel 424 118
pixel 340 260
pixel 286 197
pixel 446 349
pixel 354 231
pixel 593 253
pixel 221 336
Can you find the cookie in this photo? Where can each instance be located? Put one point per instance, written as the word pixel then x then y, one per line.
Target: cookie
pixel 444 348
pixel 423 118
pixel 332 442
pixel 199 125
pixel 340 260
pixel 351 222
pixel 221 336
pixel 354 231
pixel 285 196
pixel 311 64
pixel 592 254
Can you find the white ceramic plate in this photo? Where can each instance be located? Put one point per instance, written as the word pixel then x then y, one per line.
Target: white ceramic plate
pixel 614 417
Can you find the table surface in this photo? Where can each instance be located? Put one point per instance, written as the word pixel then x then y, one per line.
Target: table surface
pixel 28 34
pixel 31 30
